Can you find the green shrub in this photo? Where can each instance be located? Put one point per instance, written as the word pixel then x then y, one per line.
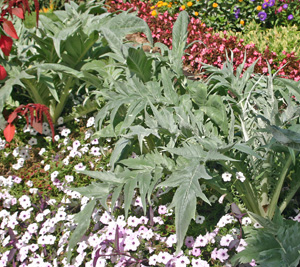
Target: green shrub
pixel 278 39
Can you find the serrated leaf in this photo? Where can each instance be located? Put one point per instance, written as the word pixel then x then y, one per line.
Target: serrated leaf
pixel 83 222
pixel 215 110
pixel 185 197
pixel 104 176
pixel 96 190
pixel 179 37
pixel 189 151
pixel 169 90
pixel 114 42
pixel 117 152
pixel 139 64
pixel 214 155
pixel 198 91
pixel 141 132
pixel 129 192
pixel 276 246
pixel 246 149
pixel 165 119
pixel 144 181
pixel 138 164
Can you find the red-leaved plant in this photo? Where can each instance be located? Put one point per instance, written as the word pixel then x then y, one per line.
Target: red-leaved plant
pixel 32 112
pixel 10 8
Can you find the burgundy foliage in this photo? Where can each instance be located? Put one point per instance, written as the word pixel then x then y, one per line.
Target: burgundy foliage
pixel 32 112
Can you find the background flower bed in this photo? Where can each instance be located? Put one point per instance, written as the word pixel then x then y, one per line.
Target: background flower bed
pixel 211 48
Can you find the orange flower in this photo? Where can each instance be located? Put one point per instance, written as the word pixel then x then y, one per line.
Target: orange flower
pixel 189 4
pixel 258 8
pixel 215 5
pixel 242 22
pixel 196 13
pixel 182 7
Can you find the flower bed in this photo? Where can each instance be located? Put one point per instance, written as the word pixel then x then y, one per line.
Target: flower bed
pixel 211 47
pixel 163 170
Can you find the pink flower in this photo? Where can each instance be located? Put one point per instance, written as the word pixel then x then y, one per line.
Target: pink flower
pixel 162 209
pixel 196 252
pixel 222 254
pixel 133 221
pixel 189 241
pixel 201 241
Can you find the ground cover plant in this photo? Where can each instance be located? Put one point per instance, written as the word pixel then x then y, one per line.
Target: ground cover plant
pixel 163 171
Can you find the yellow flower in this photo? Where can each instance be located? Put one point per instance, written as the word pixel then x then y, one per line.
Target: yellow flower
pixel 196 13
pixel 154 13
pixel 160 2
pixel 189 4
pixel 215 5
pixel 165 4
pixel 182 7
pixel 46 10
pixel 242 22
pixel 258 8
pixel 159 5
pixel 152 7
